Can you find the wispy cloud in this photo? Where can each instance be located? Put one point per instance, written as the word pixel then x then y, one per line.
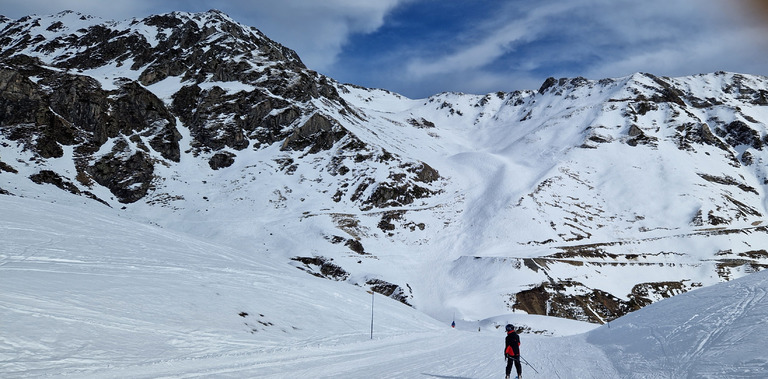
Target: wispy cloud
pixel 596 38
pixel 489 41
pixel 317 29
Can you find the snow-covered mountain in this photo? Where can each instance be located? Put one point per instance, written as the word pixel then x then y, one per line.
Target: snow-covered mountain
pixel 582 199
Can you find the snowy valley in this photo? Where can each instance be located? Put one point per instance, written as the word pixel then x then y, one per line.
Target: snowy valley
pixel 87 294
pixel 182 197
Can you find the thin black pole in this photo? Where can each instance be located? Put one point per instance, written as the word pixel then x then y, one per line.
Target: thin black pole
pixel 372 313
pixel 529 365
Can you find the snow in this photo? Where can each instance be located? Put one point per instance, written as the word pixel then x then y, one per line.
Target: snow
pixel 714 332
pixel 88 294
pixel 196 280
pixel 231 87
pixel 84 291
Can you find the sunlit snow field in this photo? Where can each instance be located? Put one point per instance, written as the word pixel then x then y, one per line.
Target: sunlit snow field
pixel 86 294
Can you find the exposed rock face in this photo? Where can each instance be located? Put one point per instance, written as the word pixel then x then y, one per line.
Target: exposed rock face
pixel 739 133
pixel 318 133
pixel 592 306
pixel 199 110
pixel 45 104
pixel 390 290
pixel 126 174
pixel 137 111
pixel 322 267
pixel 62 109
pixel 7 168
pixel 573 300
pixel 50 177
pixel 221 160
pixel 26 112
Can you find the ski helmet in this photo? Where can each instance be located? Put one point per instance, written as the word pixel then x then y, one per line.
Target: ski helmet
pixel 509 327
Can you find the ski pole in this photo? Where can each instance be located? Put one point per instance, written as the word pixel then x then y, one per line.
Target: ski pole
pixel 526 362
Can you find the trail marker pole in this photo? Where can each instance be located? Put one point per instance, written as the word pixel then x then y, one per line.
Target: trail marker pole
pixel 372 296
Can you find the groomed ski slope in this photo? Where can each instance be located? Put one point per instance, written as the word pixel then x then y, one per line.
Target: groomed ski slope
pixel 85 293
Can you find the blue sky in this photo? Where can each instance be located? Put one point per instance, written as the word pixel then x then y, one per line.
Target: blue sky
pixel 422 47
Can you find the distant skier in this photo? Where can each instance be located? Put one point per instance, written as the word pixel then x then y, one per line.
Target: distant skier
pixel 512 351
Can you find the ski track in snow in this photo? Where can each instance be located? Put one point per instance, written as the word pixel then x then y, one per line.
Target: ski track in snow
pixel 451 354
pixel 721 321
pixel 120 299
pixel 715 332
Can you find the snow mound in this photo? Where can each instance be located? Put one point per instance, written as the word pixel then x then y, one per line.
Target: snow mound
pixel 712 332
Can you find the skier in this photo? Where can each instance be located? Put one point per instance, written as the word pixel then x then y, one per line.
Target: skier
pixel 512 351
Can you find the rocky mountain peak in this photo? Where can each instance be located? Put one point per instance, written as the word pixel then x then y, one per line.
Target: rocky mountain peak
pixel 121 87
pixel 196 46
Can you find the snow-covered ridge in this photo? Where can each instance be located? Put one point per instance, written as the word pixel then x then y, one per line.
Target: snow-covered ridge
pixel 53 36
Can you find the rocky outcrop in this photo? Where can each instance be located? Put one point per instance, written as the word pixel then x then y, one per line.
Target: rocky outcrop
pixel 50 177
pixel 322 267
pixel 210 116
pixel 573 300
pixel 221 160
pixel 739 133
pixel 127 174
pixel 63 109
pixel 27 112
pixel 390 290
pixel 136 111
pixel 318 133
pixel 197 48
pixel 7 168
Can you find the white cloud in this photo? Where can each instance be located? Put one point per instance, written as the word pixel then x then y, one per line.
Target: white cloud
pixel 104 9
pixel 493 39
pixel 596 38
pixel 729 50
pixel 472 57
pixel 318 30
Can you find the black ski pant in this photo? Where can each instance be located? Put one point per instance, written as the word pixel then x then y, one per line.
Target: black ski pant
pixel 516 360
